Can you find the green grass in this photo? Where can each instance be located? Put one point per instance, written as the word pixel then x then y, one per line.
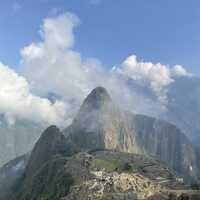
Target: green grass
pixel 111 165
pixel 107 165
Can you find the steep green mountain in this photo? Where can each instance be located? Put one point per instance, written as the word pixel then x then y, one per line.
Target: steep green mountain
pixel 102 124
pixel 44 162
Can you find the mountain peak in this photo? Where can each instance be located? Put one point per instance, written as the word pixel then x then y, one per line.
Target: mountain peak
pixel 100 90
pixel 98 97
pixel 50 132
pixel 52 142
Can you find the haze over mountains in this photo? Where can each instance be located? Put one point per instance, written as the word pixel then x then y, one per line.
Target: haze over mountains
pixel 182 111
pixel 54 78
pixel 63 165
pixel 182 108
pixel 17 139
pixel 101 124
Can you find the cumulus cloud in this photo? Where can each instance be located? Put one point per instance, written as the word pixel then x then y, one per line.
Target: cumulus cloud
pixel 51 63
pixel 179 70
pixel 17 102
pixel 52 66
pixel 155 76
pixel 57 34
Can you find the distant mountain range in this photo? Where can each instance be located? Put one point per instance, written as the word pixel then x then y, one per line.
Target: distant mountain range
pixel 106 153
pixel 17 139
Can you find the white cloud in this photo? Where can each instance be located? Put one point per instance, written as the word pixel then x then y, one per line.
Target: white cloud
pixel 155 76
pixel 179 70
pixel 17 102
pixel 57 34
pixel 60 69
pixel 52 65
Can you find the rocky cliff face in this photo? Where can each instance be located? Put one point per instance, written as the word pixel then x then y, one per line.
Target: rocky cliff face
pixel 101 124
pixel 167 143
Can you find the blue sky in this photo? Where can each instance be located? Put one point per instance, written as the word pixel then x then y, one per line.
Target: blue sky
pixel 110 30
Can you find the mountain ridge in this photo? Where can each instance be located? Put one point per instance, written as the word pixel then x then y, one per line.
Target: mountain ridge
pixel 103 147
pixel 106 126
